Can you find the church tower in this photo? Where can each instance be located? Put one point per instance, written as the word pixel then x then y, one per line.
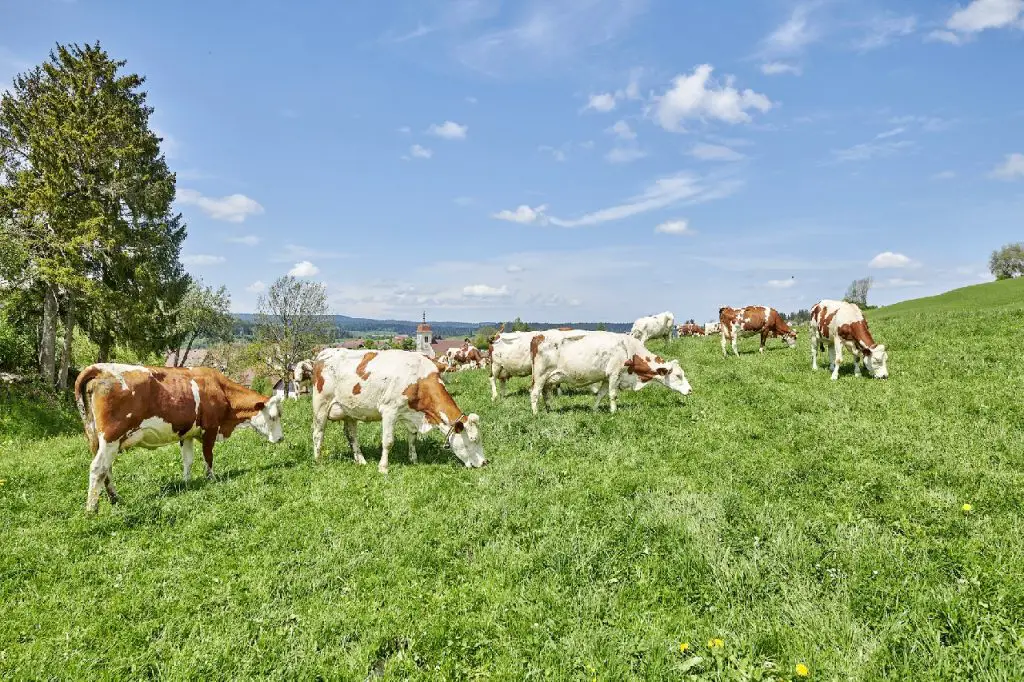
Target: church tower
pixel 424 337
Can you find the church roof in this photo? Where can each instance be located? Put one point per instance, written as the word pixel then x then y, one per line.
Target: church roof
pixel 423 327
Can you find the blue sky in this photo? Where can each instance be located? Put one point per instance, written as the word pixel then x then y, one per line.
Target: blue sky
pixel 575 159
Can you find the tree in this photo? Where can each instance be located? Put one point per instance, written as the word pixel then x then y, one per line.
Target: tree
pixel 204 313
pixel 858 291
pixel 483 336
pixel 601 327
pixel 291 321
pixel 1008 261
pixel 519 326
pixel 85 195
pixel 408 343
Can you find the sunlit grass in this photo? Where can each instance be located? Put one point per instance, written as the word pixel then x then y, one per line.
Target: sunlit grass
pixel 795 520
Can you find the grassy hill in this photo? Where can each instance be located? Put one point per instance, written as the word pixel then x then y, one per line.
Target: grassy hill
pixel 797 520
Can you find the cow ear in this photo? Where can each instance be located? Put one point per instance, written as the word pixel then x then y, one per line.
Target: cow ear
pixel 473 418
pixel 663 371
pixel 629 365
pixel 459 427
pixel 260 405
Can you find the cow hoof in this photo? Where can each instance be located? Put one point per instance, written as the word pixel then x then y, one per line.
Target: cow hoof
pixel 92 509
pixel 360 460
pixel 382 470
pixel 115 499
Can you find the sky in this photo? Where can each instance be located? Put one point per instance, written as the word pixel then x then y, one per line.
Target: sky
pixel 574 160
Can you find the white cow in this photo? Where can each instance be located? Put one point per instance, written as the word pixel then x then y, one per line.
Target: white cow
pixel 653 327
pixel 617 361
pixel 511 356
pixel 711 328
pixel 395 387
pixel 843 324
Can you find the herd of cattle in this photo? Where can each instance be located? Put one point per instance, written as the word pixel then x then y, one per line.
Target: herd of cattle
pixel 126 406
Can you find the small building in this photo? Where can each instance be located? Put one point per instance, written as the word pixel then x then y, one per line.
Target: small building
pixel 196 357
pixel 425 337
pixel 289 389
pixel 353 344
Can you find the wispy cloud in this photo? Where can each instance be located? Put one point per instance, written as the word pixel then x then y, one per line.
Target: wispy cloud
pixel 484 291
pixel 295 252
pixel 234 208
pixel 870 150
pixel 715 152
pixel 944 175
pixel 168 144
pixel 603 102
pixel 779 68
pixel 1011 168
pixel 673 190
pixel 674 227
pixel 248 240
pixel 890 133
pixel 781 283
pixel 624 155
pixel 697 96
pixel 884 29
pixel 558 154
pixel 256 287
pixel 621 130
pixel 978 16
pixel 792 35
pixel 418 152
pixel 202 259
pixel 449 130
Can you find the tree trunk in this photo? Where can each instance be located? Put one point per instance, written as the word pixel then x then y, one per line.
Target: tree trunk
pixel 184 356
pixel 48 342
pixel 104 353
pixel 69 335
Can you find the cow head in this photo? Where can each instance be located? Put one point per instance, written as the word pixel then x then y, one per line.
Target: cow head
pixel 674 378
pixel 790 338
pixel 268 420
pixel 302 371
pixel 464 438
pixel 876 361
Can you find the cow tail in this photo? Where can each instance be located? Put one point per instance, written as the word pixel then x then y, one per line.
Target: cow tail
pixel 85 404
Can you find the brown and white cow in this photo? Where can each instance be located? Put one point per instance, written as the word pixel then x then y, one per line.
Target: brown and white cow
pixel 510 356
pixel 396 388
pixel 843 324
pixel 691 330
pixel 614 361
pixel 127 406
pixel 750 321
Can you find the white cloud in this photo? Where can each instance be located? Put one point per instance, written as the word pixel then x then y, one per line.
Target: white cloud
pixel 890 133
pixel 622 130
pixel 714 152
pixel 418 152
pixel 674 227
pixel 870 150
pixel 405 130
pixel 884 29
pixel 697 96
pixel 944 175
pixel 888 259
pixel 603 102
pixel 985 14
pixel 587 144
pixel 449 130
pixel 898 283
pixel 944 37
pixel 484 291
pixel 523 215
pixel 202 259
pixel 779 68
pixel 556 154
pixel 234 208
pixel 256 287
pixel 304 269
pixel 632 90
pixel 248 240
pixel 781 283
pixel 624 155
pixel 929 124
pixel 513 268
pixel 793 35
pixel 1012 167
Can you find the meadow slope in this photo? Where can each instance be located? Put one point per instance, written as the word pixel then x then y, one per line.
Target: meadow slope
pixel 795 519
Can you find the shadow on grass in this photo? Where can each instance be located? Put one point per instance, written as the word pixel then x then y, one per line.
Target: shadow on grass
pixel 29 412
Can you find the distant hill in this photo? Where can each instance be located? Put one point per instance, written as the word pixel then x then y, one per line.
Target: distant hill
pixel 355 326
pixel 1002 294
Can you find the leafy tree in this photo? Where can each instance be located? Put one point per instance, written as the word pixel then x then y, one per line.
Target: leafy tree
pixel 291 321
pixel 204 313
pixel 1008 261
pixel 483 337
pixel 519 326
pixel 601 327
pixel 408 343
pixel 370 344
pixel 85 198
pixel 858 291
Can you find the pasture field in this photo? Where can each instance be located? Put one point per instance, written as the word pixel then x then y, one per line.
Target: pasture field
pixel 796 520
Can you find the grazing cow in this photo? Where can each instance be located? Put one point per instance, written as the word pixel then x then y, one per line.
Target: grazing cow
pixel 126 406
pixel 754 319
pixel 397 388
pixel 843 324
pixel 691 330
pixel 653 327
pixel 303 371
pixel 617 361
pixel 712 328
pixel 510 356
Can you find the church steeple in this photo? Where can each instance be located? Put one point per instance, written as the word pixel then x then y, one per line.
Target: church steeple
pixel 424 337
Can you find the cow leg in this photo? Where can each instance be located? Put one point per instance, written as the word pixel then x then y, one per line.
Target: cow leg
pixel 725 353
pixel 494 388
pixel 99 471
pixel 764 338
pixel 536 392
pixel 188 452
pixel 351 433
pixel 602 391
pixel 320 412
pixel 735 341
pixel 209 440
pixel 837 356
pixel 856 364
pixel 413 432
pixel 814 354
pixel 108 482
pixel 387 439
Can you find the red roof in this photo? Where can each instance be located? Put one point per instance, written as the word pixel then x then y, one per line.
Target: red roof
pixel 423 327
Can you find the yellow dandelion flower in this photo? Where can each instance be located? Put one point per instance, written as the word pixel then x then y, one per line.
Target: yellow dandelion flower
pixel 802 670
pixel 3 480
pixel 683 646
pixel 967 508
pixel 715 643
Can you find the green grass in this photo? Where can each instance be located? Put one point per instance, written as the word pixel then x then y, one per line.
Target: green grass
pixel 795 518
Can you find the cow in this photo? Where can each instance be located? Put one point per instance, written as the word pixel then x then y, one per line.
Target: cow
pixel 653 327
pixel 127 406
pixel 843 324
pixel 509 353
pixel 303 371
pixel 754 319
pixel 397 388
pixel 691 330
pixel 616 361
pixel 712 328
